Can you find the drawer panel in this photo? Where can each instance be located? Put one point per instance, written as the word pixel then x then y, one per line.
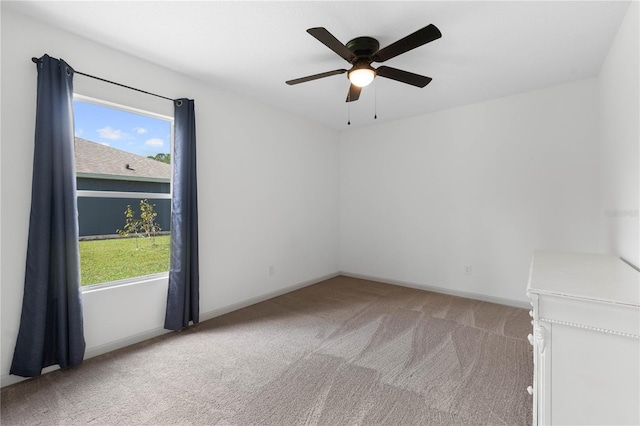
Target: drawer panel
pixel 608 317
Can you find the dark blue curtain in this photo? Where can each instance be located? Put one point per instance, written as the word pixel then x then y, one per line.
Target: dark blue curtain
pixel 51 329
pixel 184 296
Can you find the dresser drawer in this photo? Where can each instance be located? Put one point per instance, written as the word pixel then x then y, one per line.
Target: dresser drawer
pixel 604 317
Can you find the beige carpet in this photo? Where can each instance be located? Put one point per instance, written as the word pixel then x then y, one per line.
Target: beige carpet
pixel 341 352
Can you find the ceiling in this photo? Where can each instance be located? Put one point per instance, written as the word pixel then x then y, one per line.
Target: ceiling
pixel 487 50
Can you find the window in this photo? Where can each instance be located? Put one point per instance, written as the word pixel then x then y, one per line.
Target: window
pixel 123 176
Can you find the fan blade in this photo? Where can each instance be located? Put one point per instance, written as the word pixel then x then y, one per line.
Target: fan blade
pixel 354 93
pixel 326 38
pixel 420 37
pixel 314 77
pixel 403 76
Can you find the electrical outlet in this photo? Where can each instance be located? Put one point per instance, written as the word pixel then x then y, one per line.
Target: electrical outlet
pixel 467 270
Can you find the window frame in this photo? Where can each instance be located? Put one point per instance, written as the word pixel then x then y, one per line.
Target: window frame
pixel 139 279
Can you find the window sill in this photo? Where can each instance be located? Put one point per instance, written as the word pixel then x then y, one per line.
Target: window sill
pixel 124 283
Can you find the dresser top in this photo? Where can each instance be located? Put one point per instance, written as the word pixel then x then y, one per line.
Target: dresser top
pixel 594 277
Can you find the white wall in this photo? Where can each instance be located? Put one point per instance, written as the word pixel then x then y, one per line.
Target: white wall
pixel 267 188
pixel 483 186
pixel 620 139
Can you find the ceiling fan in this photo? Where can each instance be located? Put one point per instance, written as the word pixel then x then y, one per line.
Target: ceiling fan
pixel 362 51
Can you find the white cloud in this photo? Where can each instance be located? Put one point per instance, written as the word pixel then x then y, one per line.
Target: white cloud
pixel 107 132
pixel 155 142
pixel 79 133
pixel 140 130
pixel 105 144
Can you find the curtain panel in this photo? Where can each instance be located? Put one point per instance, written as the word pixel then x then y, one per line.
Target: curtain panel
pixel 51 325
pixel 183 294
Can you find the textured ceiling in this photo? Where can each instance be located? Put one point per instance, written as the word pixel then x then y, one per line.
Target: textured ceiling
pixel 487 50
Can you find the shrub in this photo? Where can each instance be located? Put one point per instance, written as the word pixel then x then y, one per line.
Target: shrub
pixel 146 226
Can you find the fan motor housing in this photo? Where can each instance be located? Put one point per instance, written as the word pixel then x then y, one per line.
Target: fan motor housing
pixel 363 46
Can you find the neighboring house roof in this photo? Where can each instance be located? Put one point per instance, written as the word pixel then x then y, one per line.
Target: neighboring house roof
pixel 101 161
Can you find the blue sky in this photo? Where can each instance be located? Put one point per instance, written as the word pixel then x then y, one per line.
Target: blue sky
pixel 135 133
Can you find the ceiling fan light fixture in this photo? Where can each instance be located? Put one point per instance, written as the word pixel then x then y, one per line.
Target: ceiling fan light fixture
pixel 361 77
pixel 361 52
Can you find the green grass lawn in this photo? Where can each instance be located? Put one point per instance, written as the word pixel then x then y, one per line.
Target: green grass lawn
pixel 108 260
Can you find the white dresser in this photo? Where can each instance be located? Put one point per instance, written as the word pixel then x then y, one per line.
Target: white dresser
pixel 586 339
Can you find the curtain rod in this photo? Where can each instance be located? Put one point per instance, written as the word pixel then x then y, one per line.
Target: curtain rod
pixel 36 61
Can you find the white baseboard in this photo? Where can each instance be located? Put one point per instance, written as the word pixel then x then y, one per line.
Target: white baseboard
pixel 459 293
pixel 9 379
pixel 265 296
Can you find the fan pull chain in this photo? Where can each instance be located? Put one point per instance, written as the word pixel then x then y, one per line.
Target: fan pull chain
pixel 349 110
pixel 375 100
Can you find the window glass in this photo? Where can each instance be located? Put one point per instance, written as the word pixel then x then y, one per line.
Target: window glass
pixel 123 175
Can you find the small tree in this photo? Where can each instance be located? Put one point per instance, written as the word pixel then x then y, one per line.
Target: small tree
pixel 131 225
pixel 148 220
pixel 146 226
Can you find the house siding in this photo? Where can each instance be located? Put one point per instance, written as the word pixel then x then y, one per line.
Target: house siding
pixel 104 216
